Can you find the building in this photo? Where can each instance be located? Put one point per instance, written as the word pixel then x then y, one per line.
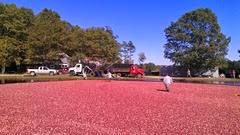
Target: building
pixel 175 71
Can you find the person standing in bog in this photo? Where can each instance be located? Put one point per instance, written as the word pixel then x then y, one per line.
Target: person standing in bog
pixel 167 81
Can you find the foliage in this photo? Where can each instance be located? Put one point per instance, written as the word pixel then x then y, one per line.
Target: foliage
pixel 195 41
pixel 14 26
pixel 47 37
pixel 127 50
pixel 231 65
pixel 132 49
pixel 124 51
pixel 40 39
pixel 76 50
pixel 141 57
pixel 93 43
pixel 101 44
pixel 151 66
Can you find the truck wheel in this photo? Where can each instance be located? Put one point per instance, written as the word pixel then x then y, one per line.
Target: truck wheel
pixel 51 73
pixel 72 73
pixel 32 73
pixel 119 75
pixel 139 75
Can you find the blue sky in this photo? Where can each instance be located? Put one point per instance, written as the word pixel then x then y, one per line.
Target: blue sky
pixel 142 21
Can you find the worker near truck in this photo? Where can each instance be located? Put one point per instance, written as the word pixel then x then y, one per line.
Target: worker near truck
pixel 189 73
pixel 109 76
pixel 84 75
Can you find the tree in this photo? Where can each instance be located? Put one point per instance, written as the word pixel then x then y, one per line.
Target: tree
pixel 124 51
pixel 196 42
pixel 151 66
pixel 239 52
pixel 14 26
pixel 132 49
pixel 101 44
pixel 49 36
pixel 96 43
pixel 76 49
pixel 231 65
pixel 42 38
pixel 141 57
pixel 127 50
pixel 27 16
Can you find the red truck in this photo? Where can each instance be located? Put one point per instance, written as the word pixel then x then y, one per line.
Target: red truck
pixel 125 70
pixel 63 69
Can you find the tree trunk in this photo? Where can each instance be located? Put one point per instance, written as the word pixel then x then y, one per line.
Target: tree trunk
pixel 3 68
pixel 19 68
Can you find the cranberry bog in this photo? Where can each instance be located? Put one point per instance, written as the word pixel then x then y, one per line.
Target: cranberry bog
pixel 118 107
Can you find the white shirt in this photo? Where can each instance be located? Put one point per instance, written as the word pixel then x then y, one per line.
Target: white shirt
pixel 84 74
pixel 109 75
pixel 167 80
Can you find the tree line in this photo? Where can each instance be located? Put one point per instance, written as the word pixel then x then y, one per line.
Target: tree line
pixel 26 38
pixel 231 65
pixel 195 42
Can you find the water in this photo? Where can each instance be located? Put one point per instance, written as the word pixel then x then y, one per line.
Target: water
pixel 204 82
pixel 11 81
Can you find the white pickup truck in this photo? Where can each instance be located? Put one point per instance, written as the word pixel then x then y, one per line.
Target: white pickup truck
pixel 41 70
pixel 76 70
